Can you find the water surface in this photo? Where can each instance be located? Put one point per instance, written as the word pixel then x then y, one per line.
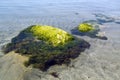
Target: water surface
pixel 15 15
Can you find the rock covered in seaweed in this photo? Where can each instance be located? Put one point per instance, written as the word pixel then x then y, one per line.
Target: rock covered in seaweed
pixel 46 46
pixel 88 29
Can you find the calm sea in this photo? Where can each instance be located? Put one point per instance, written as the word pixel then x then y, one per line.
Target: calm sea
pixel 16 15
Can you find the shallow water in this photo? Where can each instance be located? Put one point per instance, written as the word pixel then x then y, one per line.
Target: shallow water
pixel 16 15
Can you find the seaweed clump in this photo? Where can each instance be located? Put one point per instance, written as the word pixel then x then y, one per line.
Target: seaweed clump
pixel 84 27
pixel 46 46
pixel 51 35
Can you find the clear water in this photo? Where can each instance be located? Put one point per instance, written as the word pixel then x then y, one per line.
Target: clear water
pixel 16 15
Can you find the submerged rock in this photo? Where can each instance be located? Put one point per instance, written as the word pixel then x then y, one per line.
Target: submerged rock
pixel 101 18
pixel 46 46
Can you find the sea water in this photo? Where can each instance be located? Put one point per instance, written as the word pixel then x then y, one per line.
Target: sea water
pixel 16 15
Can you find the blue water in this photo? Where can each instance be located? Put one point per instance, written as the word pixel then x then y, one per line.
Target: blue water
pixel 16 15
pixel 24 7
pixel 21 13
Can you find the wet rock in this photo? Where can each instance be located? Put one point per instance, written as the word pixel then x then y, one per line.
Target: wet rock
pixel 43 53
pixel 93 32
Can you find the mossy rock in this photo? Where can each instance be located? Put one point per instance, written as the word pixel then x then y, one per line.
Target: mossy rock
pixel 89 29
pixel 43 51
pixel 86 29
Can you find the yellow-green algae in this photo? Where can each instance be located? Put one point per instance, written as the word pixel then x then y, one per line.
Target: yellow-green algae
pixel 52 35
pixel 85 27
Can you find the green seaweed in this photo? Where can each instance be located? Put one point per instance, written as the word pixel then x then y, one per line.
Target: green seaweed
pixel 51 35
pixel 85 27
